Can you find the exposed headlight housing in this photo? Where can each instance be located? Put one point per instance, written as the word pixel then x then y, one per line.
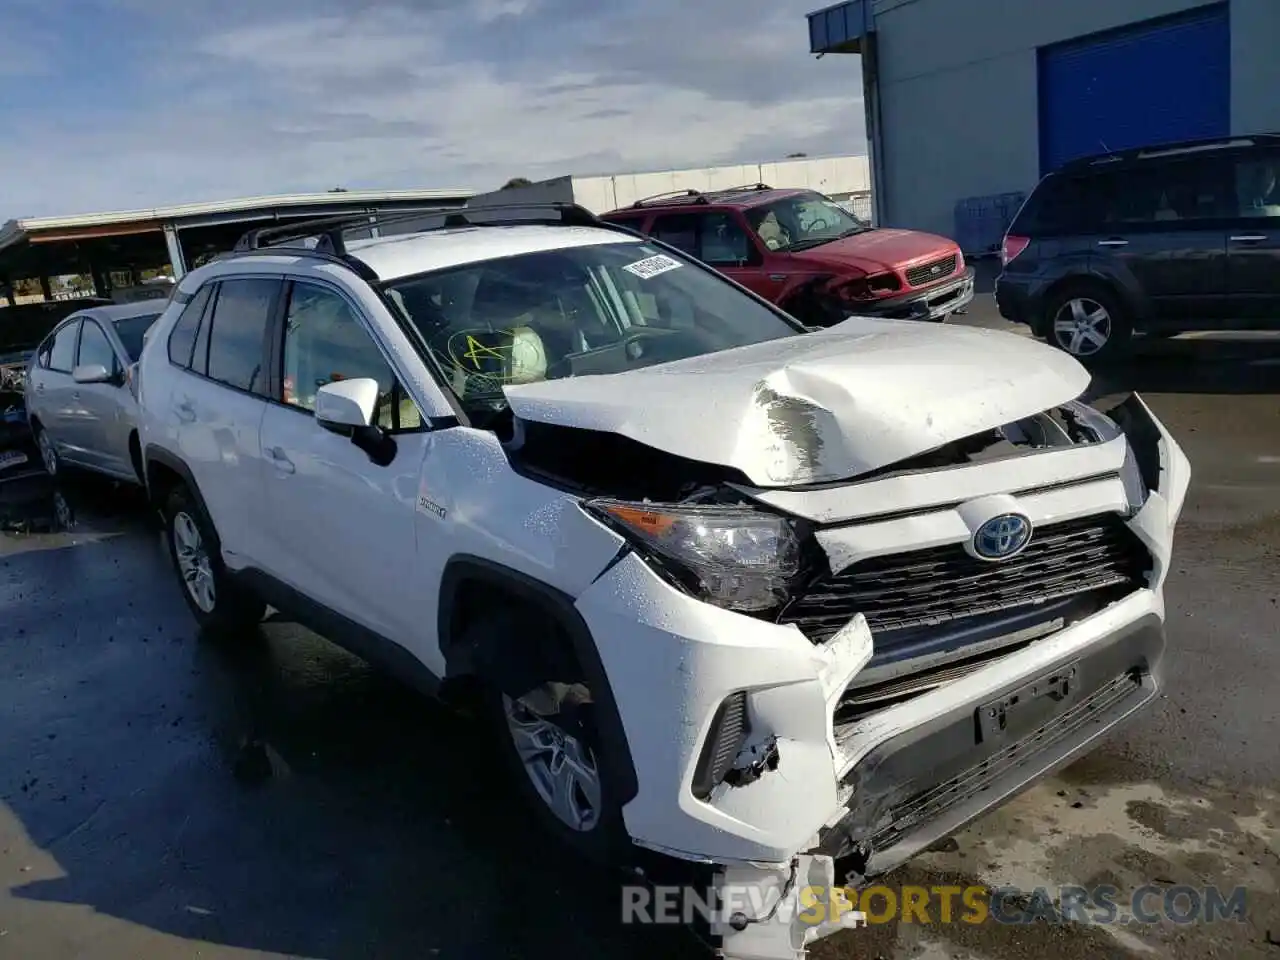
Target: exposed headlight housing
pixel 736 557
pixel 1105 429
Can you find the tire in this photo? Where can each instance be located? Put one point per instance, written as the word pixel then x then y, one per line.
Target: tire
pixel 1089 322
pixel 48 452
pixel 220 605
pixel 530 746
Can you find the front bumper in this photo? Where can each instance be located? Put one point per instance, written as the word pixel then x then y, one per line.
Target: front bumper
pixel 931 303
pixel 857 798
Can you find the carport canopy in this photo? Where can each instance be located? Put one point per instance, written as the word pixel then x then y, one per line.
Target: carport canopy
pixel 98 245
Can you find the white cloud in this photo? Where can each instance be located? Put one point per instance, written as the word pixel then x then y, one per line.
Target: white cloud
pixel 369 94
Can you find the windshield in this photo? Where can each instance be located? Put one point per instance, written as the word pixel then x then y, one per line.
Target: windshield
pixel 131 330
pixel 801 221
pixel 573 312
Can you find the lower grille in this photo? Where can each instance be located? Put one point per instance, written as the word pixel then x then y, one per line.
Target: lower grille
pixel 944 584
pixel 929 272
pixel 934 802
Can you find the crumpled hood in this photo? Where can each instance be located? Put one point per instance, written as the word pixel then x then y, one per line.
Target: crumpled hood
pixel 823 406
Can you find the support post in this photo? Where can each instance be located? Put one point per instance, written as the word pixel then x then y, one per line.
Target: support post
pixel 875 130
pixel 45 287
pixel 176 258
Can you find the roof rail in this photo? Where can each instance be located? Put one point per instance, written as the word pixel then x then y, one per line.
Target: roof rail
pixel 745 188
pixel 329 232
pixel 1180 148
pixel 672 196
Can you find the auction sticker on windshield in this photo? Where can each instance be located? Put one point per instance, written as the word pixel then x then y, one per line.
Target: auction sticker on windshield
pixel 652 266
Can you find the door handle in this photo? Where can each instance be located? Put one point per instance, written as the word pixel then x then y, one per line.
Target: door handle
pixel 40 388
pixel 281 460
pixel 1114 242
pixel 1249 238
pixel 185 411
pixel 75 395
pixel 777 277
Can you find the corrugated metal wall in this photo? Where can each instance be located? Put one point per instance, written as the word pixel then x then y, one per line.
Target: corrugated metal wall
pixel 1154 82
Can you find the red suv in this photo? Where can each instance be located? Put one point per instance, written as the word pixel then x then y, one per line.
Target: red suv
pixel 807 254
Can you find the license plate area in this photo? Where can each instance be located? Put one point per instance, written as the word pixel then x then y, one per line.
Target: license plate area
pixel 1030 705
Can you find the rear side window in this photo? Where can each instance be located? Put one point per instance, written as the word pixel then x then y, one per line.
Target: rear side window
pixel 238 333
pixel 1059 206
pixel 1164 193
pixel 183 336
pixel 680 230
pixel 62 355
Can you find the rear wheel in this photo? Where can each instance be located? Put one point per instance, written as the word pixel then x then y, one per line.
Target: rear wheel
pixel 218 603
pixel 1089 323
pixel 48 452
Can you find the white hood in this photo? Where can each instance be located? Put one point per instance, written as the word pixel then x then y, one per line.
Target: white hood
pixel 824 406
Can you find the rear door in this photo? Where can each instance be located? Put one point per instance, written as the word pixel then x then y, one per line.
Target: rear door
pixel 1253 261
pixel 52 385
pixel 721 240
pixel 1162 229
pixel 216 408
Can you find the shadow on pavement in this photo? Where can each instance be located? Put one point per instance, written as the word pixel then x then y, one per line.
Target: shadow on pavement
pixel 1211 364
pixel 273 794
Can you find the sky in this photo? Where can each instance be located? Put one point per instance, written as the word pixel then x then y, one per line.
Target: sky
pixel 126 104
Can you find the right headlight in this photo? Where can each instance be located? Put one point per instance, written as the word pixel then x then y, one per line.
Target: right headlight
pixel 736 557
pixel 1104 428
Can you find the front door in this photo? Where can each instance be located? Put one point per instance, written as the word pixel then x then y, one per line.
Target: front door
pixel 344 526
pixel 102 432
pixel 1253 243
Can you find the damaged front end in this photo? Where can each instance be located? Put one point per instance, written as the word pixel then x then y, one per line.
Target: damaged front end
pixel 827 665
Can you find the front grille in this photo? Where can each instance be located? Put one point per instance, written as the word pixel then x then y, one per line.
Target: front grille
pixel 944 584
pixel 931 271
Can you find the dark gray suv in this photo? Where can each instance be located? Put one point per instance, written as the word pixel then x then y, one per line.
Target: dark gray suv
pixel 1159 240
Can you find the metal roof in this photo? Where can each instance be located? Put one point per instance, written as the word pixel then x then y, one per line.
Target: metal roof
pixel 16 230
pixel 840 27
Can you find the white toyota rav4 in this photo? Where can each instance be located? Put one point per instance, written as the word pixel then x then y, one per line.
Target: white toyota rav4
pixel 793 604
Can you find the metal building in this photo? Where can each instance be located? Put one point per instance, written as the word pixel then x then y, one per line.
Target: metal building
pixel 968 99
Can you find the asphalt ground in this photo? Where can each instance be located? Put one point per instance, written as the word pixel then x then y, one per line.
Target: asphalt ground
pixel 164 797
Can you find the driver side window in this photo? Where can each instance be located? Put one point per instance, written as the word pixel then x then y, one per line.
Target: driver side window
pixel 324 342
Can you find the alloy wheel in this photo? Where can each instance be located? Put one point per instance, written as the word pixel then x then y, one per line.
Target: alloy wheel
pixel 47 453
pixel 193 562
pixel 562 769
pixel 1082 327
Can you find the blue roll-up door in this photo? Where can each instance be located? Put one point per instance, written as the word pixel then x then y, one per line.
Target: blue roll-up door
pixel 1155 82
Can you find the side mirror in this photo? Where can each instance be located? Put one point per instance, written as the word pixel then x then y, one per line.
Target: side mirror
pixel 347 404
pixel 347 407
pixel 91 373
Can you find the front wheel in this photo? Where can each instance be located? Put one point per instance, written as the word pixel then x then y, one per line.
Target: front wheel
pixel 218 603
pixel 549 742
pixel 1090 324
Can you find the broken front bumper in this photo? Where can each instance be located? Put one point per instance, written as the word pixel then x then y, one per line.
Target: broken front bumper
pixel 857 799
pixel 932 303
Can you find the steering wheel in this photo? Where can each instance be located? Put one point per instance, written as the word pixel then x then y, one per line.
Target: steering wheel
pixel 819 224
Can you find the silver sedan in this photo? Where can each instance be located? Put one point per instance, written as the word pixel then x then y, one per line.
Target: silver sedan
pixel 80 392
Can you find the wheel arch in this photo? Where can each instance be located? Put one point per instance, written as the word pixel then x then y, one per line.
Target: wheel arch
pixel 472 585
pixel 162 470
